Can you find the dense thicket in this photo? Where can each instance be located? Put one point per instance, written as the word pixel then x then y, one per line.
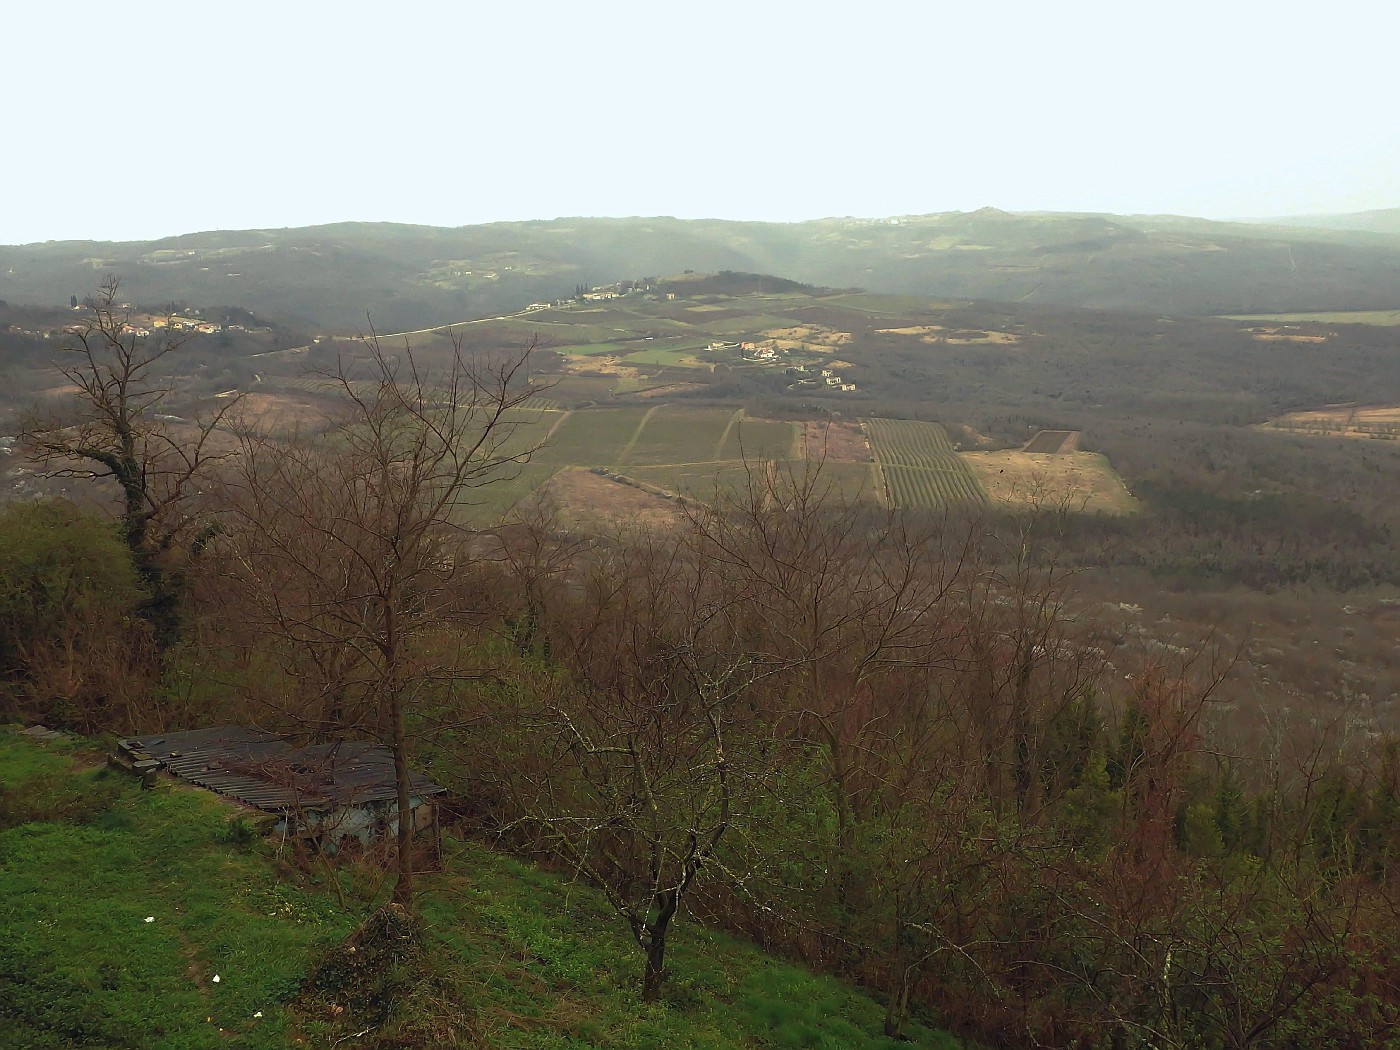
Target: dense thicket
pixel 890 748
pixel 72 644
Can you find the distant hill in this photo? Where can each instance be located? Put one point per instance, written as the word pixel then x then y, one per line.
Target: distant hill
pixel 1384 220
pixel 405 276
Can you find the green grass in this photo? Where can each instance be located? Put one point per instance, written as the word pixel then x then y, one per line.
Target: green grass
pixel 879 305
pixel 595 437
pixel 511 956
pixel 681 435
pixel 758 439
pixel 581 388
pixel 591 349
pixel 79 964
pixel 670 357
pixel 749 325
pixel 491 502
pixel 698 480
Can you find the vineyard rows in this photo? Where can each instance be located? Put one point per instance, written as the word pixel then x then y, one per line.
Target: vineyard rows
pixel 911 487
pixel 919 465
pixel 908 442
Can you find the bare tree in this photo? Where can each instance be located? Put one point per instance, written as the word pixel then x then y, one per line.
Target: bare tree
pixel 849 603
pixel 350 548
pixel 118 432
pixel 648 756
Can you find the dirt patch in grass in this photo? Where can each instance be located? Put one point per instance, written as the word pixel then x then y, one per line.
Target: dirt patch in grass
pixel 813 335
pixel 971 337
pixel 591 498
pixel 666 390
pixel 598 364
pixel 937 333
pixel 835 442
pixel 919 329
pixel 1277 336
pixel 1075 480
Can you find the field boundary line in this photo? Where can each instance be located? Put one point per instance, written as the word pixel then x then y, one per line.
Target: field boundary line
pixel 637 434
pixel 719 445
pixel 877 469
pixel 558 423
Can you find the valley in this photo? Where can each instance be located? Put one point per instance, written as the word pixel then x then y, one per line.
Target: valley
pixel 1120 514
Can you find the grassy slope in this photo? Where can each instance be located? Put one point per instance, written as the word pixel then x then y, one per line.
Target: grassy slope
pixel 518 958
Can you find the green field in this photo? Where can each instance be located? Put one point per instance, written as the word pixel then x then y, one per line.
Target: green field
pixel 681 435
pixel 682 355
pixel 592 437
pixel 878 305
pixel 701 481
pixel 577 389
pixel 759 439
pixel 748 324
pixel 696 451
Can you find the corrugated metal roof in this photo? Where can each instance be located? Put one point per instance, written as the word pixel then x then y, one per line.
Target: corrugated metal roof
pixel 263 770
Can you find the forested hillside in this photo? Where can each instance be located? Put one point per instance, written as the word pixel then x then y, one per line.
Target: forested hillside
pixel 412 276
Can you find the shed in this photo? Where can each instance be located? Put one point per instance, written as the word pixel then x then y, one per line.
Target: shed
pixel 325 792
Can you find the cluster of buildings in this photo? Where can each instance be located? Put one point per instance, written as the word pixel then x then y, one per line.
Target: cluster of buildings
pixel 807 377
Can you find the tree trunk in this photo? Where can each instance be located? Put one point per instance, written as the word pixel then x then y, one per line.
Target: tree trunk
pixel 897 1009
pixel 403 887
pixel 667 902
pixel 655 974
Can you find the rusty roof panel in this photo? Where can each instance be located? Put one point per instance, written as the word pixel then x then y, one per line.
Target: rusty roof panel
pixel 263 770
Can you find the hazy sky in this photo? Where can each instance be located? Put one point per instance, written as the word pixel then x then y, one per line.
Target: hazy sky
pixel 141 119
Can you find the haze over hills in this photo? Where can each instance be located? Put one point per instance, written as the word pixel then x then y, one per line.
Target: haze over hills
pixel 1383 220
pixel 407 276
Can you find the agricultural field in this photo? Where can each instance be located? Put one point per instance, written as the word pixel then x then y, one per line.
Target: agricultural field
pixel 1289 333
pixel 910 488
pixel 908 442
pixel 1375 422
pixel 761 439
pixel 680 449
pixel 683 354
pixel 594 437
pixel 590 499
pixel 936 333
pixel 747 325
pixel 1053 442
pixel 699 481
pixel 919 465
pixel 616 369
pixel 681 435
pixel 1381 318
pixel 882 305
pixel 1073 480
